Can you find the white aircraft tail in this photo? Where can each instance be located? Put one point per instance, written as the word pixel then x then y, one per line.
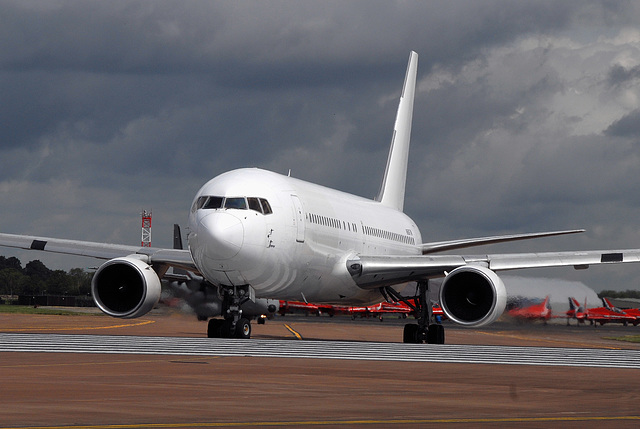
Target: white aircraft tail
pixel 395 175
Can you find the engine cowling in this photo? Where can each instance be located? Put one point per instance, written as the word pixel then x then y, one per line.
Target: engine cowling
pixel 125 287
pixel 473 296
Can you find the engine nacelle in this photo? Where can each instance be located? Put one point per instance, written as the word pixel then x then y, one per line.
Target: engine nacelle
pixel 125 287
pixel 473 296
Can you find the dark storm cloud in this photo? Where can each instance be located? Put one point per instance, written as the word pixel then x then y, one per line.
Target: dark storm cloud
pixel 627 126
pixel 85 69
pixel 619 74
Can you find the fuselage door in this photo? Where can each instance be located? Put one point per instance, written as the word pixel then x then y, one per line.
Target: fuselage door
pixel 298 218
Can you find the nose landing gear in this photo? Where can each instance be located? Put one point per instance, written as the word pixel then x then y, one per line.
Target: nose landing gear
pixel 233 325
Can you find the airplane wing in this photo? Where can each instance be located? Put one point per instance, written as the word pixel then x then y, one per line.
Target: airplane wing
pixel 155 256
pixel 441 246
pixel 371 272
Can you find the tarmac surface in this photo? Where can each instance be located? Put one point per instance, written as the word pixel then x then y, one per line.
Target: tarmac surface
pixel 101 390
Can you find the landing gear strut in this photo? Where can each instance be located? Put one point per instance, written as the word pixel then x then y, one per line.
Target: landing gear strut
pixel 424 331
pixel 233 325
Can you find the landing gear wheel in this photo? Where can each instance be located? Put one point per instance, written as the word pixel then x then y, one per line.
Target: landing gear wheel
pixel 424 331
pixel 214 329
pixel 226 330
pixel 435 334
pixel 410 333
pixel 243 329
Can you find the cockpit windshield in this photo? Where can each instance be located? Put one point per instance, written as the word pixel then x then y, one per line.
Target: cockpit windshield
pixel 235 203
pixel 260 205
pixel 213 203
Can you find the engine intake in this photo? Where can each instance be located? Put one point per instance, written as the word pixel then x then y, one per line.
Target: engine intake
pixel 473 296
pixel 125 287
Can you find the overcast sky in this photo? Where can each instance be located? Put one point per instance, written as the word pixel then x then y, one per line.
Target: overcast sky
pixel 527 116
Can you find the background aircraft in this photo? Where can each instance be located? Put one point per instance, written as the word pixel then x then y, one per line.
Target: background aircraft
pixel 376 310
pixel 540 311
pixel 598 315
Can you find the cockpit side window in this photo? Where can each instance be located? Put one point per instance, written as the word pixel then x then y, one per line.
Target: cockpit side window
pixel 235 203
pixel 266 207
pixel 200 202
pixel 254 204
pixel 213 203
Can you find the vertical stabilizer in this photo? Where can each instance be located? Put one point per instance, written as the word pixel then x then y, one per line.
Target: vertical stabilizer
pixel 395 175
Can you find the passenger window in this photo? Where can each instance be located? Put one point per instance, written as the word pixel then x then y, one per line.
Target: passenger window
pixel 254 204
pixel 235 203
pixel 213 203
pixel 266 207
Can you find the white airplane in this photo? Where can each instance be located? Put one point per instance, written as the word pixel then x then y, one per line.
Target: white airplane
pixel 255 234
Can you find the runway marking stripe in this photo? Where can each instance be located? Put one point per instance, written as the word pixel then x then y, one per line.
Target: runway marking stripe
pixel 399 352
pixel 346 422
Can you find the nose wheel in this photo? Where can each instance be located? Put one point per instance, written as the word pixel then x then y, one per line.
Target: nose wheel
pixel 233 325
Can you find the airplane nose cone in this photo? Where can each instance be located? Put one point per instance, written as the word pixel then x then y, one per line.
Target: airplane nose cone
pixel 221 235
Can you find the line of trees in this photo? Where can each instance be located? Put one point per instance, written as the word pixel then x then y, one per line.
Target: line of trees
pixel 620 294
pixel 36 279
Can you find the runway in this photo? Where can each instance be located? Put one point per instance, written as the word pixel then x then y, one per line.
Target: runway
pixel 373 351
pixel 160 371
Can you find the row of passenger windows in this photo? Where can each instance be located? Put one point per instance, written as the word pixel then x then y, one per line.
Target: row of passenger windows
pixel 332 222
pixel 376 232
pixel 350 226
pixel 251 203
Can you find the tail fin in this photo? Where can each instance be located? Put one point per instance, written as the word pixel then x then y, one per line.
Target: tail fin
pixel 574 304
pixel 177 244
pixel 177 237
pixel 395 175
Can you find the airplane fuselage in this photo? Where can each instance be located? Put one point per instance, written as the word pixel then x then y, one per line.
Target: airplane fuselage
pixel 290 239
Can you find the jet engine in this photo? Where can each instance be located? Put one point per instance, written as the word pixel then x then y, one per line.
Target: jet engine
pixel 125 287
pixel 473 296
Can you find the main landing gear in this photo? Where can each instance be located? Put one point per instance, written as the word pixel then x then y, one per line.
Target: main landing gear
pixel 233 325
pixel 424 331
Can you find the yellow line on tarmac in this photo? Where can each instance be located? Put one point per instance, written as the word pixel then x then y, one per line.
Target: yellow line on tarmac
pixel 347 422
pixel 293 331
pixel 77 328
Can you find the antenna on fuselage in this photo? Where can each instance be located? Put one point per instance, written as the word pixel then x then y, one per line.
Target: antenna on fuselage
pixel 395 174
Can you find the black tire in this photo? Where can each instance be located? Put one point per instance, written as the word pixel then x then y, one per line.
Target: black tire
pixel 226 330
pixel 243 329
pixel 214 328
pixel 435 334
pixel 410 333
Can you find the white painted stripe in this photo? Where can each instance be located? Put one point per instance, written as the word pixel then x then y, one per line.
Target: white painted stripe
pixel 501 355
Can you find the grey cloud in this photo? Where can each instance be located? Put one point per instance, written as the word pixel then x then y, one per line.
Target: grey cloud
pixel 627 126
pixel 619 74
